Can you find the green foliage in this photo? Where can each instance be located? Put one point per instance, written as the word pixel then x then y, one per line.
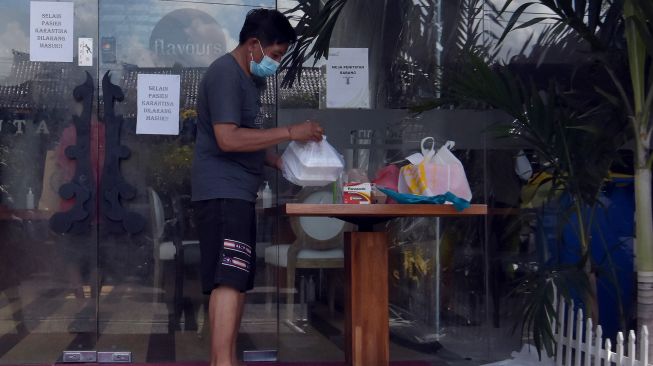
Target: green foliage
pixel 558 125
pixel 576 147
pixel 537 290
pixel 169 166
pixel 587 18
pixel 574 119
pixel 563 116
pixel 315 29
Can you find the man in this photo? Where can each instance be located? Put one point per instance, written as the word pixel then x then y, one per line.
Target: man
pixel 231 149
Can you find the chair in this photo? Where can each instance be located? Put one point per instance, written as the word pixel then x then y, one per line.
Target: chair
pixel 171 256
pixel 163 250
pixel 318 244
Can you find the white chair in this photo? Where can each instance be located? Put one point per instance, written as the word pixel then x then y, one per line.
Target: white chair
pixel 171 253
pixel 318 244
pixel 163 250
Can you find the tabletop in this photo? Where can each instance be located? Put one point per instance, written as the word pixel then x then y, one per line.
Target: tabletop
pixel 24 214
pixel 380 210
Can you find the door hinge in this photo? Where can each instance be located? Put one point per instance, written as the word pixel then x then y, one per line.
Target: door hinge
pixel 114 357
pixel 79 356
pixel 97 357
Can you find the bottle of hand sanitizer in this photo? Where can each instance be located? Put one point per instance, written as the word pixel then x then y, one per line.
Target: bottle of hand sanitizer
pixel 29 200
pixel 266 196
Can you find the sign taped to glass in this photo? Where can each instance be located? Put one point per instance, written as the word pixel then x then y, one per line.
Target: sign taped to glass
pixel 158 104
pixel 51 31
pixel 348 78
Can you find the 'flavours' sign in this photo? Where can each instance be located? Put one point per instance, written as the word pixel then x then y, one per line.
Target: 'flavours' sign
pixel 181 49
pixel 189 37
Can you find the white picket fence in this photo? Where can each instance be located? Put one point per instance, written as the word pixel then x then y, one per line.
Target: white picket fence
pixel 581 345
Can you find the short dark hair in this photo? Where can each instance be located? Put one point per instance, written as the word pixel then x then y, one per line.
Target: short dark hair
pixel 268 26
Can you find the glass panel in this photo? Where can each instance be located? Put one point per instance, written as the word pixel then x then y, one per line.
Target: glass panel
pixel 153 304
pixel 439 297
pixel 532 233
pixel 451 280
pixel 48 256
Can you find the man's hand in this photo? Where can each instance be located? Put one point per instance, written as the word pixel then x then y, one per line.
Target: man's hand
pixel 306 131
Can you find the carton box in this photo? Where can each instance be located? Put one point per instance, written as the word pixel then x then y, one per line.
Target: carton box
pixel 357 193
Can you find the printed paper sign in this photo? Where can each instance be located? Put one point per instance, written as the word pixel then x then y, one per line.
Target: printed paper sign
pixel 51 31
pixel 348 78
pixel 158 104
pixel 85 52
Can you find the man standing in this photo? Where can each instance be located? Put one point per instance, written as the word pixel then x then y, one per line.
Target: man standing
pixel 231 149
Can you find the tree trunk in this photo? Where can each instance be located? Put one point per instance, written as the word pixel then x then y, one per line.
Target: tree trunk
pixel 637 56
pixel 644 246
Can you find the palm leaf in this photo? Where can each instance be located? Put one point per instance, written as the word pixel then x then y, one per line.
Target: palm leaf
pixel 468 34
pixel 594 14
pixel 535 21
pixel 539 310
pixel 314 38
pixel 559 122
pixel 513 19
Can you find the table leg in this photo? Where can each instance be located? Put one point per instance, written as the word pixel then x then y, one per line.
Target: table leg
pixel 366 301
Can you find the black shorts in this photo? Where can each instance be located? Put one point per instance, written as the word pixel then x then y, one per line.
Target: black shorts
pixel 227 233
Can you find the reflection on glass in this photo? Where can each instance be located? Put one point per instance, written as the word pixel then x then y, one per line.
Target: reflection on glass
pixel 159 269
pixel 96 288
pixel 48 279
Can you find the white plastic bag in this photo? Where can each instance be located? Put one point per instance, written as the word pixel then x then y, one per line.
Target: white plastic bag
pixel 526 357
pixel 523 167
pixel 432 174
pixel 311 163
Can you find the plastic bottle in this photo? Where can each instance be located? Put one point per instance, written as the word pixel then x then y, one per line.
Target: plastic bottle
pixel 310 291
pixel 337 187
pixel 302 299
pixel 266 196
pixel 29 200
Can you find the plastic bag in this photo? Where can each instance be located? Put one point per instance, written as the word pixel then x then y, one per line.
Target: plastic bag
pixel 388 177
pixel 433 174
pixel 311 163
pixel 458 203
pixel 523 166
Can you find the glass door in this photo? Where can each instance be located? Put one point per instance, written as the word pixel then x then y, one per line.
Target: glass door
pixel 50 158
pixel 98 251
pixel 150 301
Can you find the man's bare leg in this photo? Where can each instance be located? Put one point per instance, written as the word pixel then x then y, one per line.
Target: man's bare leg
pixel 241 307
pixel 224 317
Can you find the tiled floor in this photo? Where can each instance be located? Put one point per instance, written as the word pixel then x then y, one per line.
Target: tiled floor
pixel 51 318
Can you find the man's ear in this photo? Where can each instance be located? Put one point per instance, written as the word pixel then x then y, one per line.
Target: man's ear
pixel 252 44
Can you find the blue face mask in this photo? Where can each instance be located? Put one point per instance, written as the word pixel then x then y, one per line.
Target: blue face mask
pixel 267 66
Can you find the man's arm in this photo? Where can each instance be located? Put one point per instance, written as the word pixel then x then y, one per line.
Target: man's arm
pixel 232 138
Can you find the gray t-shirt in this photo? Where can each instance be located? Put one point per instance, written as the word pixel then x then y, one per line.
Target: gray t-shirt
pixel 226 95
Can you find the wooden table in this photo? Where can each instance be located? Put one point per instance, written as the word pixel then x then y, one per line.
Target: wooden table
pixel 24 214
pixel 367 334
